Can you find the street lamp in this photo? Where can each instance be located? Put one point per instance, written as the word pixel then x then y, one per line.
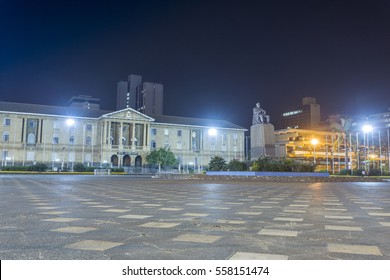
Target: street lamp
pixel 314 142
pixel 366 129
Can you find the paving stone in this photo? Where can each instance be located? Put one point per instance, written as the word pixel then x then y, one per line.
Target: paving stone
pixel 278 232
pixel 354 249
pixel 93 245
pixel 257 256
pixel 197 238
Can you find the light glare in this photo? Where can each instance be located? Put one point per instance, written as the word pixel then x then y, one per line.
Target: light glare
pixel 70 122
pixel 367 128
pixel 212 132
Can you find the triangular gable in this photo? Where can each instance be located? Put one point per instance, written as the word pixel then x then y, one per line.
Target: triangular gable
pixel 128 114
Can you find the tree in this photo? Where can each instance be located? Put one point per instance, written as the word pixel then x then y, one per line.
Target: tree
pixel 217 163
pixel 162 157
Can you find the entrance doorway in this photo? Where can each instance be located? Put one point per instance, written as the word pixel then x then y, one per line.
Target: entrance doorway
pixel 114 160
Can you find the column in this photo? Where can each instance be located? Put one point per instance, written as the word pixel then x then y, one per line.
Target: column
pixel 145 127
pixel 121 136
pixel 133 137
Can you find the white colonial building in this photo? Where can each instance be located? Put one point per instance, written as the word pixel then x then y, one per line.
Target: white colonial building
pixel 63 136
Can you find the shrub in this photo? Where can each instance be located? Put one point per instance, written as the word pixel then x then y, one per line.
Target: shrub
pixel 345 172
pixel 281 165
pixel 236 165
pixel 40 167
pixel 217 163
pixel 79 167
pixel 374 172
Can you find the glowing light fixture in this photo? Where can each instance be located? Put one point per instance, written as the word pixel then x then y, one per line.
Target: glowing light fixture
pixel 70 122
pixel 367 128
pixel 314 141
pixel 212 132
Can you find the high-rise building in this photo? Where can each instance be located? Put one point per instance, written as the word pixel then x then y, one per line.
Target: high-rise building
pixel 127 92
pixel 152 99
pixel 145 97
pixel 305 117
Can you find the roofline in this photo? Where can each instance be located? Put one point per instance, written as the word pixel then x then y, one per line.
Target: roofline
pixel 48 115
pixel 200 126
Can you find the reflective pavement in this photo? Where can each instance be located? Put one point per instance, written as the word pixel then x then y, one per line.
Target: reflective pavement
pixel 122 217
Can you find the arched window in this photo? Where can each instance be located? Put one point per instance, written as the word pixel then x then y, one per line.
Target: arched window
pixel 31 138
pixel 124 141
pixel 5 136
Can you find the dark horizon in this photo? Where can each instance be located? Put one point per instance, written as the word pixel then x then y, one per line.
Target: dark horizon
pixel 216 59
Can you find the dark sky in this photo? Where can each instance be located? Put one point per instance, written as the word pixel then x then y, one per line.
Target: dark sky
pixel 216 59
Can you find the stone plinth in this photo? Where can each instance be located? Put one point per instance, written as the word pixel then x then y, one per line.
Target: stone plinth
pixel 262 140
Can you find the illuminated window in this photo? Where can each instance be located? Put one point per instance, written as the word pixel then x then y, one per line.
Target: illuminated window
pixel 292 113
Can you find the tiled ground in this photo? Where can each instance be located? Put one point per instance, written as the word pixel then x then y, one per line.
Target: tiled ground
pixel 120 217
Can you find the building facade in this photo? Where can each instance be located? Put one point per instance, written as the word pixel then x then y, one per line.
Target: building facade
pixel 336 151
pixel 63 136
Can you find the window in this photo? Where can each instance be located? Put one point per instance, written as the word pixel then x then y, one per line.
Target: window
pixel 88 127
pixel 31 124
pixel 5 155
pixel 88 141
pixel 178 146
pixel 55 140
pixel 71 140
pixel 5 136
pixel 31 138
pixel 153 145
pixel 154 131
pixel 179 133
pixel 166 132
pixel 7 122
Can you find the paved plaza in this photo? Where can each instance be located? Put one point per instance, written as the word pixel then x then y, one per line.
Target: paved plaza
pixel 122 217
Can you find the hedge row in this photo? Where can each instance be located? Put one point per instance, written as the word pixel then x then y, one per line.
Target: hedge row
pixel 41 167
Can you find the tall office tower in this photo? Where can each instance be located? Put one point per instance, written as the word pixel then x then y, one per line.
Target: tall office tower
pixel 145 97
pixel 152 99
pixel 306 116
pixel 128 91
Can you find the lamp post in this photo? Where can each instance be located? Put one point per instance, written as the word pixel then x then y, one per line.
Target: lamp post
pixel 314 142
pixel 366 129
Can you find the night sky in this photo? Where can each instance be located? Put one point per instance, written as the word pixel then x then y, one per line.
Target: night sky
pixel 216 59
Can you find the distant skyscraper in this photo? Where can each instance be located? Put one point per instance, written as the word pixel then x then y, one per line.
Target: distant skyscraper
pixel 306 117
pixel 127 92
pixel 152 102
pixel 146 97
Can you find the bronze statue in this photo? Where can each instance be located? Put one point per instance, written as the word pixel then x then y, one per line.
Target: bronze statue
pixel 259 115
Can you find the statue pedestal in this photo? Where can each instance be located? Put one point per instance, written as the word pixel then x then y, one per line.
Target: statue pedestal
pixel 262 140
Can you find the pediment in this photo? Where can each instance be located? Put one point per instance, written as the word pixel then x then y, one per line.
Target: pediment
pixel 128 114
